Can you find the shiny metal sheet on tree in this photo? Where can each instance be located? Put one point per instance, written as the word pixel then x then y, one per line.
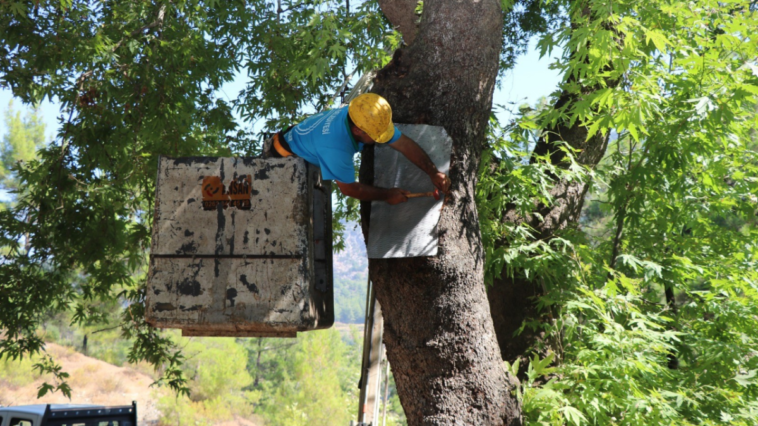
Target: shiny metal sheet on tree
pixel 408 229
pixel 241 247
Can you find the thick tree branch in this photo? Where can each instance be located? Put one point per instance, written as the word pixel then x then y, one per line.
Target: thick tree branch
pixel 401 15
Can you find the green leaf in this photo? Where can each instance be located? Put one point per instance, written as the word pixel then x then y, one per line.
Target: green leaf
pixel 592 130
pixel 44 389
pixel 633 131
pixel 18 9
pixel 573 415
pixel 65 390
pixel 747 378
pixel 658 39
pixel 707 180
pixel 703 105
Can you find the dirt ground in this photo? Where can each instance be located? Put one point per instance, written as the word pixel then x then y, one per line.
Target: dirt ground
pixel 97 382
pixel 93 382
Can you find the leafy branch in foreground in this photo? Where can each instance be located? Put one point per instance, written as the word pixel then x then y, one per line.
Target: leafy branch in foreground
pixel 47 366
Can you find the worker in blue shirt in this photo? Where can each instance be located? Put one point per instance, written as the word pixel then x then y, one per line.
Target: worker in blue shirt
pixel 331 138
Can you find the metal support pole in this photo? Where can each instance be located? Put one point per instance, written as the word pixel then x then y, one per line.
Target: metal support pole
pixel 368 406
pixel 377 369
pixel 386 389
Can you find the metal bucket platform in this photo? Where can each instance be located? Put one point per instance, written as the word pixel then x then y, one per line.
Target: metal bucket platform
pixel 241 247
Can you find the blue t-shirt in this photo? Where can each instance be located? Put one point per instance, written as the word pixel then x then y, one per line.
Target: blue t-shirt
pixel 324 139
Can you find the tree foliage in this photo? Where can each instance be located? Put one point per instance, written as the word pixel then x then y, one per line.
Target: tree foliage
pixel 217 373
pixel 313 385
pixel 651 315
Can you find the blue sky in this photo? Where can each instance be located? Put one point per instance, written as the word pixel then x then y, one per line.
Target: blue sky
pixel 529 80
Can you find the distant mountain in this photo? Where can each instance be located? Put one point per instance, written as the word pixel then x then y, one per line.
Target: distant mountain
pixel 352 263
pixel 350 276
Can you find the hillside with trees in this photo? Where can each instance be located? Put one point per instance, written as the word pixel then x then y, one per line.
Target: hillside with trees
pixel 350 278
pixel 233 382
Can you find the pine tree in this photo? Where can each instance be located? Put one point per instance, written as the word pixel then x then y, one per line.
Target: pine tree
pixel 23 137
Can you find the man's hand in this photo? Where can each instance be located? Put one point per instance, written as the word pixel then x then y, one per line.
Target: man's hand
pixel 372 193
pixel 397 196
pixel 440 181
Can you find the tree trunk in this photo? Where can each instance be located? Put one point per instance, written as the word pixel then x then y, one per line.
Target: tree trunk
pixel 438 329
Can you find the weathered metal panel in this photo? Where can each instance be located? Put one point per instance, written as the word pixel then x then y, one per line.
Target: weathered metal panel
pixel 224 291
pixel 241 247
pixel 188 332
pixel 275 223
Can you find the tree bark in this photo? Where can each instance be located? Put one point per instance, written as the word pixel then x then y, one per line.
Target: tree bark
pixel 439 333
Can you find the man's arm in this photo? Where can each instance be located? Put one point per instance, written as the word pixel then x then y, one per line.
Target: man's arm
pixel 370 193
pixel 419 157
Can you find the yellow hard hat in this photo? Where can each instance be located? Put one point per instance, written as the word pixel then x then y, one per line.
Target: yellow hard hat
pixel 372 114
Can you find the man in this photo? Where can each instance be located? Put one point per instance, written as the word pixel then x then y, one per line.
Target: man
pixel 331 138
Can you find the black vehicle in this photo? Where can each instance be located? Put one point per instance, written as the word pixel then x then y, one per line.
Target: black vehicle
pixel 68 415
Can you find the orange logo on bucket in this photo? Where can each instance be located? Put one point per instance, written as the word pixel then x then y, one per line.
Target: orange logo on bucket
pixel 215 194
